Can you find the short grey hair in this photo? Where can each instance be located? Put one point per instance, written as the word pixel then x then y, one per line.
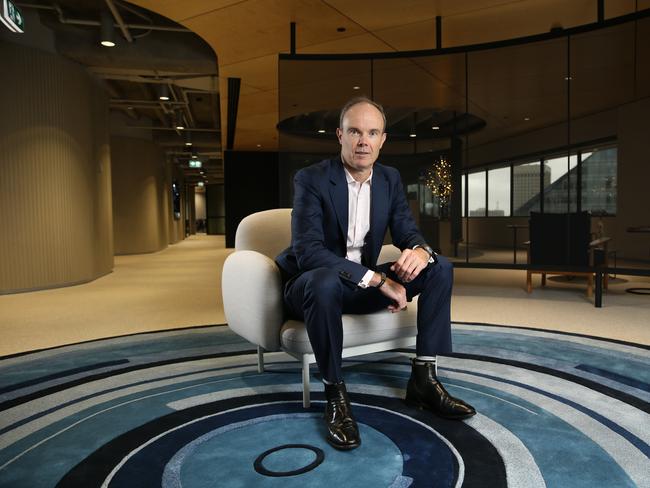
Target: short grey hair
pixel 356 101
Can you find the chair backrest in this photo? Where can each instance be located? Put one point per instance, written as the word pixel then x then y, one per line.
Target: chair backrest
pixel 560 239
pixel 267 232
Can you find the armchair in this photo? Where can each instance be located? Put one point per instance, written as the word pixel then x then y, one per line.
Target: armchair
pixel 560 242
pixel 253 304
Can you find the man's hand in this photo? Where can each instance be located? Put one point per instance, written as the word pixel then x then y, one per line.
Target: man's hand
pixel 396 292
pixel 410 263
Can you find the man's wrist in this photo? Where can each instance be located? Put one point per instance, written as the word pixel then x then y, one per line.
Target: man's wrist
pixel 382 279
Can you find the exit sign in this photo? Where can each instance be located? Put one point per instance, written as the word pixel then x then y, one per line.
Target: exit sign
pixel 11 17
pixel 195 163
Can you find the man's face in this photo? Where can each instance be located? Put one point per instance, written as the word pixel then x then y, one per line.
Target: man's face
pixel 361 137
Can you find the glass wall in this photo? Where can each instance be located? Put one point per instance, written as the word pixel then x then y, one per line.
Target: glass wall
pixel 539 126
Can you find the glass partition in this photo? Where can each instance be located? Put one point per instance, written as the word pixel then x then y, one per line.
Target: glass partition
pixel 552 126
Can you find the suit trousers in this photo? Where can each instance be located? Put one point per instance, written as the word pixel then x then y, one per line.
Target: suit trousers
pixel 320 296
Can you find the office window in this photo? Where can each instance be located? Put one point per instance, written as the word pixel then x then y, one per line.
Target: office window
pixel 498 191
pixel 599 184
pixel 477 190
pixel 525 188
pixel 560 193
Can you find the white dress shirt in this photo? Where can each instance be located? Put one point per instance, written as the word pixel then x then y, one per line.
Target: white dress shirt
pixel 358 221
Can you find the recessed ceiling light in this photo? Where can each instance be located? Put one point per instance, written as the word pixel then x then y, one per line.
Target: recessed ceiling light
pixel 526 119
pixel 435 127
pixel 108 43
pixel 356 87
pixel 568 78
pixel 412 135
pixel 188 143
pixel 194 156
pixel 180 127
pixel 259 145
pixel 321 131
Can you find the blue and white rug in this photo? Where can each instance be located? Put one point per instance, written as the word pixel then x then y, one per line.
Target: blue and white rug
pixel 188 408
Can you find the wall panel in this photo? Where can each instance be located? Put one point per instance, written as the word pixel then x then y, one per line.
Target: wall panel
pixel 54 173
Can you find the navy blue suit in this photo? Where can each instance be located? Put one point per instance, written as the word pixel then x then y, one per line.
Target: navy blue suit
pixel 321 284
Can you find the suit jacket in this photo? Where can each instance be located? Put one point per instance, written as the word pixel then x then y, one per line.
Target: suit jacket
pixel 319 221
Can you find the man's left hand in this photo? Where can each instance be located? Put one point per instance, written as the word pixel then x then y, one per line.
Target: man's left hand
pixel 410 263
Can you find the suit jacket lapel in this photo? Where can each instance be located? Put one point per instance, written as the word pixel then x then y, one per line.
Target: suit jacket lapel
pixel 339 195
pixel 379 205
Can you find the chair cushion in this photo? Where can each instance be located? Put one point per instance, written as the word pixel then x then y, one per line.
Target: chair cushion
pixel 357 329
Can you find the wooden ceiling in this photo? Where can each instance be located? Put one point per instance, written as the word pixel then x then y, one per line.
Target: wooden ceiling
pixel 248 35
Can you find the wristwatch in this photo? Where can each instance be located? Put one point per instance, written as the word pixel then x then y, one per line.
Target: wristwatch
pixel 431 252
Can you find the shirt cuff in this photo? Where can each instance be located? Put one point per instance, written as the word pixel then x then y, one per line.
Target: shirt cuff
pixel 365 281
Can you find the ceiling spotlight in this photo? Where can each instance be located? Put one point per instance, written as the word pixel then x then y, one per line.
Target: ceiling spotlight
pixel 321 131
pixel 356 87
pixel 200 183
pixel 526 119
pixel 194 156
pixel 413 135
pixel 568 78
pixel 107 30
pixel 259 145
pixel 178 117
pixel 163 92
pixel 435 127
pixel 188 143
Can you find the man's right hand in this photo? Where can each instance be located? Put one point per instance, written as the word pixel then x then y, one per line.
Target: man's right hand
pixel 396 292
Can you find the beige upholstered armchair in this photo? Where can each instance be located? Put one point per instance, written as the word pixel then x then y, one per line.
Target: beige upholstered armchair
pixel 252 299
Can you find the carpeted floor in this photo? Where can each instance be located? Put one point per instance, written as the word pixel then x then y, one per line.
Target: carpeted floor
pixel 188 408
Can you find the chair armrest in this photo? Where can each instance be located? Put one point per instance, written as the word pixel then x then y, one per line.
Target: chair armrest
pixel 252 298
pixel 599 242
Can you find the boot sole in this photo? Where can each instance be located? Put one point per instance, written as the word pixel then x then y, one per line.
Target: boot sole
pixel 343 447
pixel 421 406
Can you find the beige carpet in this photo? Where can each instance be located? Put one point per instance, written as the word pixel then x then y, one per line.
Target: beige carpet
pixel 181 287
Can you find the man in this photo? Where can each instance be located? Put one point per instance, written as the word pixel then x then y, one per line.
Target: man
pixel 342 209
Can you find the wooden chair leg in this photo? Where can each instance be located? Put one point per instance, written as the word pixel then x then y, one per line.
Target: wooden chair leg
pixel 590 285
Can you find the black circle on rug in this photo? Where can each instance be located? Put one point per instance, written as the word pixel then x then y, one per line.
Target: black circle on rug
pixel 261 469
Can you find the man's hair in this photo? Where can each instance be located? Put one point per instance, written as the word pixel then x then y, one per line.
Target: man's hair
pixel 357 101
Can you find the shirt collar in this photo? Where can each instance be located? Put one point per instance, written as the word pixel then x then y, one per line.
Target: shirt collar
pixel 350 179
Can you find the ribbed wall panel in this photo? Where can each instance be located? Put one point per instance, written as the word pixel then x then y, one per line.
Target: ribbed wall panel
pixel 54 173
pixel 139 196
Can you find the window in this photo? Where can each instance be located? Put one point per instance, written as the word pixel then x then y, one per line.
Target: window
pixel 515 191
pixel 498 190
pixel 525 188
pixel 477 191
pixel 599 181
pixel 560 192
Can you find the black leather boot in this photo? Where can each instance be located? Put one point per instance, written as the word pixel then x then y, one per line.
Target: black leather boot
pixel 424 391
pixel 342 430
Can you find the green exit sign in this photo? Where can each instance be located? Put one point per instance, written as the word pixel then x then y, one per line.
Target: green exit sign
pixel 195 163
pixel 11 17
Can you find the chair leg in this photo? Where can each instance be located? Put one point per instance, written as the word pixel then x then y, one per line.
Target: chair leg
pixel 529 281
pixel 543 279
pixel 590 285
pixel 260 359
pixel 305 381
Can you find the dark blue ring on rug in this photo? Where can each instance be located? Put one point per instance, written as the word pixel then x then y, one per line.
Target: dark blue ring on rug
pixel 259 466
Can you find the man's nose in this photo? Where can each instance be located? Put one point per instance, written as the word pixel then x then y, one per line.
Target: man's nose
pixel 362 140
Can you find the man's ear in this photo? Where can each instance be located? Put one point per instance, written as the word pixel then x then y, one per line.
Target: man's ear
pixel 383 139
pixel 339 134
